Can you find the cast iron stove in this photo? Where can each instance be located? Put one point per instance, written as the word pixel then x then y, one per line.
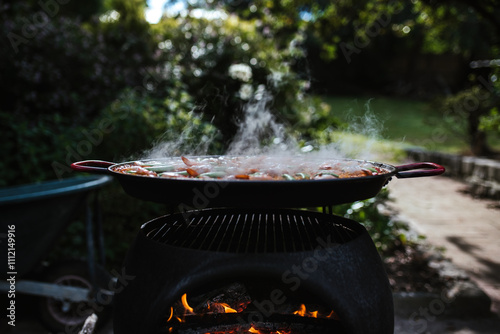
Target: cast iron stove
pixel 264 264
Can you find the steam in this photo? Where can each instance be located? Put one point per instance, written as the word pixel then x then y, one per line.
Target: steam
pixel 187 142
pixel 360 139
pixel 260 133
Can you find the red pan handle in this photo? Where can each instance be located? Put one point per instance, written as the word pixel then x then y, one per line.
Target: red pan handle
pixel 419 169
pixel 92 166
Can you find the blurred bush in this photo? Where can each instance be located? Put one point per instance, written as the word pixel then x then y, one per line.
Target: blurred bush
pixel 225 62
pixel 386 233
pixel 470 115
pixel 58 73
pixel 490 122
pixel 142 125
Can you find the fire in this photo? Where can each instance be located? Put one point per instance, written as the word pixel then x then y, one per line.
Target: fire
pixel 171 314
pixel 180 312
pixel 251 330
pixel 333 315
pixel 256 331
pixel 182 309
pixel 227 308
pixel 220 308
pixel 302 312
pixel 185 304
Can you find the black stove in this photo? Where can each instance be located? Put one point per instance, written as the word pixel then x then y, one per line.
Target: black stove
pixel 282 259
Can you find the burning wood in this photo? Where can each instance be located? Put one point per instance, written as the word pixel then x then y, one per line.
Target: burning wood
pixel 216 308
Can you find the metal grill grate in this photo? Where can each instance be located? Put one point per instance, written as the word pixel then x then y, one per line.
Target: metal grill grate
pixel 240 231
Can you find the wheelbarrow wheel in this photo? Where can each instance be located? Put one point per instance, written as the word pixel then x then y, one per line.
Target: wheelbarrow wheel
pixel 63 316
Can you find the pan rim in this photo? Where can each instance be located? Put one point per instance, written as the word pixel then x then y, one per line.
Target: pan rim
pixel 392 170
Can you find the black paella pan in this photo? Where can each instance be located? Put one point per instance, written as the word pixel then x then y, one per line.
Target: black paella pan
pixel 192 193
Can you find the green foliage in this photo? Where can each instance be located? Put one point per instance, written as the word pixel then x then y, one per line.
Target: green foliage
pixel 84 68
pixel 50 95
pixel 386 233
pixel 131 14
pixel 138 122
pixel 226 62
pixel 462 113
pixel 385 41
pixel 79 10
pixel 491 121
pixel 28 146
pixel 470 36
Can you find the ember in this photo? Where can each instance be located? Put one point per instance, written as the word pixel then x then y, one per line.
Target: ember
pixel 253 330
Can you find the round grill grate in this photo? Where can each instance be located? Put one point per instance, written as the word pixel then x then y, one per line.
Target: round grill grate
pixel 251 231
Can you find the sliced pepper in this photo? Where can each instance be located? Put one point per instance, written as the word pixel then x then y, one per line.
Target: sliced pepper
pixel 214 175
pixel 161 169
pixel 303 176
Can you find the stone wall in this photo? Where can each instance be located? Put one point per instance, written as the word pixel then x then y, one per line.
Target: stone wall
pixel 482 175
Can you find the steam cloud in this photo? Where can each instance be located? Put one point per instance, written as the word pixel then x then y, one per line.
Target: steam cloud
pixel 259 133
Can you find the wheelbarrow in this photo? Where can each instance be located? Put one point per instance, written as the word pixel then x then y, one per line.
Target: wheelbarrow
pixel 32 218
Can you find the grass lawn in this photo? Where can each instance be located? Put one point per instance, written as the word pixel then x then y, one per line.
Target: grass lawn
pixel 404 121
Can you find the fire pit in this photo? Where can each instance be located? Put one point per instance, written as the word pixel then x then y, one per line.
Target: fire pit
pixel 281 261
pixel 232 259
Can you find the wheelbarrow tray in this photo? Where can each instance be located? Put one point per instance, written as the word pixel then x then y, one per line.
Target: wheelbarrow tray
pixel 38 214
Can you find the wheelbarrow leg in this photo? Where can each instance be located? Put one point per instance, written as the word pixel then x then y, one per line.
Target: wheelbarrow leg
pixel 100 233
pixel 94 219
pixel 90 244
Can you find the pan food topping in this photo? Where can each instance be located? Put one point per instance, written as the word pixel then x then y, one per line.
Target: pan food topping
pixel 250 168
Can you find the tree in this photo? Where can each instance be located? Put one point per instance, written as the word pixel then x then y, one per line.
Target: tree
pixel 81 10
pixel 471 111
pixel 58 73
pixel 489 10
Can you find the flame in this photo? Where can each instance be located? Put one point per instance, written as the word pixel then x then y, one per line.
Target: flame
pixel 333 315
pixel 171 314
pixel 227 308
pixel 302 312
pixel 187 309
pixel 186 305
pixel 218 307
pixel 182 308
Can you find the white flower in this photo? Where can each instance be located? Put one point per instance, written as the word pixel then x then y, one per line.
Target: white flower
pixel 245 92
pixel 110 16
pixel 241 72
